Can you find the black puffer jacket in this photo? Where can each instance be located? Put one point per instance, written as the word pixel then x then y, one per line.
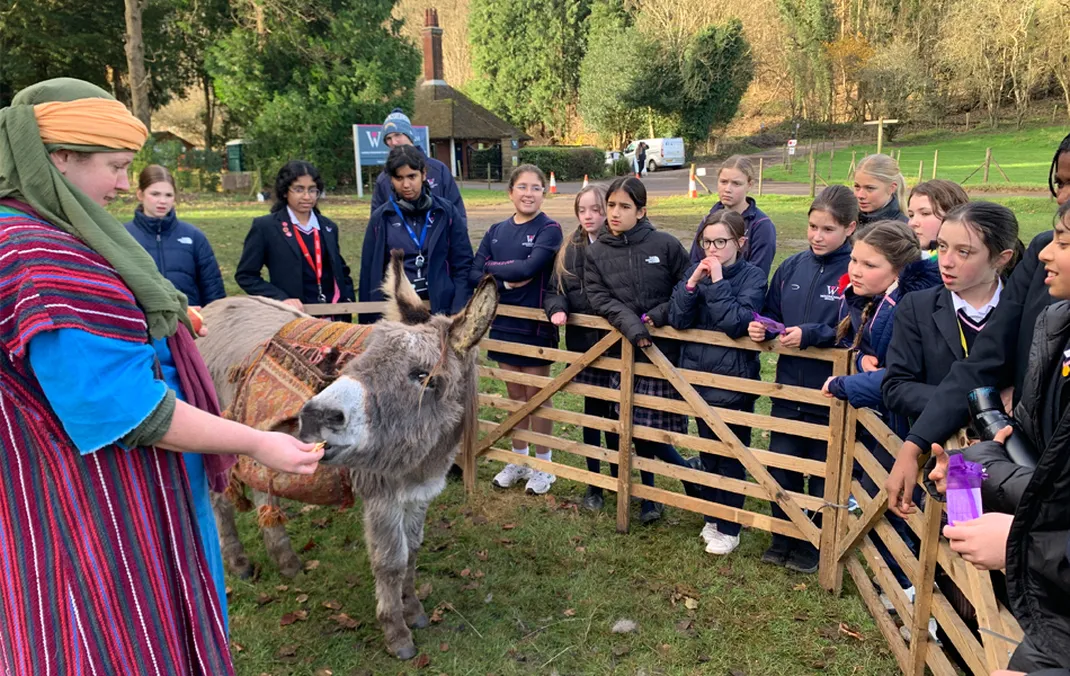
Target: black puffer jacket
pixel 727 306
pixel 569 294
pixel 1038 569
pixel 634 274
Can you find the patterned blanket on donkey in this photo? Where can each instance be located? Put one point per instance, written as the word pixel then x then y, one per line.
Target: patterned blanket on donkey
pixel 274 382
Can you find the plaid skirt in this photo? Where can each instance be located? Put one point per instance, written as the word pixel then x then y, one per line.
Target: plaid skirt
pixel 648 417
pixel 597 378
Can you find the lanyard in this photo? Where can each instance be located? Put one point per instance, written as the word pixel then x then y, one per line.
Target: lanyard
pixel 412 235
pixel 962 337
pixel 317 265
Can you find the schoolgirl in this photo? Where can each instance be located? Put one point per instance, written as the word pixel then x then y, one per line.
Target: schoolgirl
pixel 927 205
pixel 734 179
pixel 880 189
pixel 567 294
pixel 977 246
pixel 520 253
pixel 631 270
pixel 721 293
pixel 803 295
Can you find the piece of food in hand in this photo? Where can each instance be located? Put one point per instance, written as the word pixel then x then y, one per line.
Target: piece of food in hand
pixel 319 447
pixel 770 325
pixel 196 319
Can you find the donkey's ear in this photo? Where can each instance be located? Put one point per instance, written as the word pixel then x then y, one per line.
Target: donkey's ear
pixel 402 303
pixel 470 324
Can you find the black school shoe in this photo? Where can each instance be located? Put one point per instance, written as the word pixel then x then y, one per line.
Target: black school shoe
pixel 650 512
pixel 778 552
pixel 593 500
pixel 803 559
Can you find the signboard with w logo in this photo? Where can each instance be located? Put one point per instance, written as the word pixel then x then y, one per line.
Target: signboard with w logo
pixel 370 150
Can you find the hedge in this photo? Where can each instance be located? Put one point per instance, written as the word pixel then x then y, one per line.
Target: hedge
pixel 569 163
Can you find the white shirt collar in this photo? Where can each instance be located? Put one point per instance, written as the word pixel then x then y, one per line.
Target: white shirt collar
pixel 313 222
pixel 977 314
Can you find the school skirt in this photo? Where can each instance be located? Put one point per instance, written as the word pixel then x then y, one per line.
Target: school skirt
pixel 649 417
pixel 534 339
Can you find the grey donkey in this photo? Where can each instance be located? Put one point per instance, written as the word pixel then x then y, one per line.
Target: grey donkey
pixel 394 416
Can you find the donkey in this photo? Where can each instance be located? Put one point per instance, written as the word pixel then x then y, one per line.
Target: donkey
pixel 394 417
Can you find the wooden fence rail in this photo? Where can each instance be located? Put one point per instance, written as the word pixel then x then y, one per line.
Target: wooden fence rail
pixel 983 638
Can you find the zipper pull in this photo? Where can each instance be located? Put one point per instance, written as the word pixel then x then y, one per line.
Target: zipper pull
pixel 157 237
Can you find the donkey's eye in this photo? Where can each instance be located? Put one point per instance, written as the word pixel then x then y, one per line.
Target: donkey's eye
pixel 420 377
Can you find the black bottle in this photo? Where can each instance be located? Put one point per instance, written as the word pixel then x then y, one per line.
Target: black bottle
pixel 988 417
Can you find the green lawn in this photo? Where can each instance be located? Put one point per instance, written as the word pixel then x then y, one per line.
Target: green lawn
pixel 1024 155
pixel 529 585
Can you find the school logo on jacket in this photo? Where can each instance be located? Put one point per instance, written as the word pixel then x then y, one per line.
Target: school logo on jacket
pixel 432 183
pixel 530 242
pixel 832 293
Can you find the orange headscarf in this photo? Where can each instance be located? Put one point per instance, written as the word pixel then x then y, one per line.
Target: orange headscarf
pixel 90 122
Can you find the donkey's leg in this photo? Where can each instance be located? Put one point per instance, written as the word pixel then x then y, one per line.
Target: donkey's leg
pixel 415 515
pixel 384 531
pixel 233 553
pixel 276 541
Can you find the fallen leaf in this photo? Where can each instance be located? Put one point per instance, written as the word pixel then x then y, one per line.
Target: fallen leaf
pixel 690 603
pixel 287 651
pixel 309 546
pixel 283 587
pixel 444 647
pixel 479 520
pixel 624 627
pixel 323 672
pixel 264 599
pixel 466 572
pixel 227 591
pixel 478 574
pixel 850 632
pixel 470 586
pixel 352 581
pixel 508 526
pixel 581 549
pixel 621 650
pixel 332 605
pixel 321 523
pixel 551 502
pixel 345 621
pixel 301 615
pixel 312 565
pixel 569 612
pixel 685 626
pixel 236 647
pixel 302 598
pixel 801 618
pixel 287 619
pixel 482 555
pixel 436 614
pixel 308 508
pixel 664 648
pixel 506 541
pixel 440 546
pixel 800 587
pixel 424 591
pixel 488 598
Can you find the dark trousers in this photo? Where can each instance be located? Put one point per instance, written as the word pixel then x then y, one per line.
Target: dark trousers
pixel 593 436
pixel 887 460
pixel 665 453
pixel 726 467
pixel 1029 659
pixel 789 480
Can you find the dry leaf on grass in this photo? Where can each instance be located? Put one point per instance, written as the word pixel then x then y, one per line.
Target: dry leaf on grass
pixel 569 612
pixel 443 647
pixel 312 565
pixel 690 603
pixel 345 621
pixel 482 555
pixel 508 526
pixel 422 661
pixel 800 587
pixel 424 591
pixel 264 599
pixel 844 629
pixel 332 605
pixel 302 598
pixel 287 651
pixel 466 572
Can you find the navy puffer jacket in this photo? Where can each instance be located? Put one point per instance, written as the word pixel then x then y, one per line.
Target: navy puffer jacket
pixel 182 255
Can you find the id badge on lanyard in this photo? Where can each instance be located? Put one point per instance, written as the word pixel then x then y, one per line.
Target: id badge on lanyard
pixel 419 260
pixel 317 264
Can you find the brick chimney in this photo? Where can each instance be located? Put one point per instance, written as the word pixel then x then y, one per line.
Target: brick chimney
pixel 433 74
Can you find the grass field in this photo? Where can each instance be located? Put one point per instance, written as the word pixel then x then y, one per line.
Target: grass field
pixel 526 585
pixel 1024 155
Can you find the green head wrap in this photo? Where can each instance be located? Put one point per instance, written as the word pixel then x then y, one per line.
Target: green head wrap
pixel 28 175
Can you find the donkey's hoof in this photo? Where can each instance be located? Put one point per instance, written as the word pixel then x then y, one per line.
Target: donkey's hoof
pixel 289 569
pixel 420 621
pixel 406 652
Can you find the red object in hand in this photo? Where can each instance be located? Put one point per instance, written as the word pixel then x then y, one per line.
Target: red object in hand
pixel 196 319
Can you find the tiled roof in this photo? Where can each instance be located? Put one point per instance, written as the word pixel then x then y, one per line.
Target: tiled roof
pixel 450 114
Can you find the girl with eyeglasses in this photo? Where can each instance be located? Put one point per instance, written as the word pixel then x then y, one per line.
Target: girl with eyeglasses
pixel 721 293
pixel 297 243
pixel 520 253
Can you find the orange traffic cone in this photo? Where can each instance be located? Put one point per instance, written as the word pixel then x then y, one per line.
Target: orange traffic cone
pixel 692 186
pixel 585 180
pixel 553 184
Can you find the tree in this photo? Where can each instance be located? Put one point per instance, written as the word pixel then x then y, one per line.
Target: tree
pixel 297 77
pixel 609 73
pixel 811 26
pixel 1055 41
pixel 526 60
pixel 135 62
pixel 716 70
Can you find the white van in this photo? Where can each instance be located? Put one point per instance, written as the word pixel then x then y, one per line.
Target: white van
pixel 660 152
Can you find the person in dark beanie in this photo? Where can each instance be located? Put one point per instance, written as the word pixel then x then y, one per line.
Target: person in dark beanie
pixel 397 131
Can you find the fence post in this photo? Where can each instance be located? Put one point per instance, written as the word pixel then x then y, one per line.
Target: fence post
pixel 967 120
pixel 936 157
pixel 834 519
pixel 761 172
pixel 786 158
pixel 898 155
pixel 488 175
pixel 468 445
pixel 813 174
pixel 832 154
pixel 988 164
pixel 624 443
pixel 854 164
pixel 921 168
pixel 923 586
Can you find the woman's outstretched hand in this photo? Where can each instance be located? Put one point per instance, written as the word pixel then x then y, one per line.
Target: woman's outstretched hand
pixel 286 454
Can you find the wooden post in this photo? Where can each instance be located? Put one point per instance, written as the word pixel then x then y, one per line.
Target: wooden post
pixel 1054 111
pixel 785 156
pixel 854 165
pixel 967 120
pixel 936 157
pixel 624 443
pixel 761 172
pixel 923 599
pixel 988 164
pixel 813 175
pixel 830 571
pixel 898 155
pixel 488 175
pixel 468 445
pixel 921 168
pixel 832 154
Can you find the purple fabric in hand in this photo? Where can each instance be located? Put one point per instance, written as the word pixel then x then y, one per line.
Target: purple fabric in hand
pixel 771 325
pixel 963 489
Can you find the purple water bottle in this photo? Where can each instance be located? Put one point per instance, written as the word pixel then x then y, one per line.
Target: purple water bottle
pixel 963 489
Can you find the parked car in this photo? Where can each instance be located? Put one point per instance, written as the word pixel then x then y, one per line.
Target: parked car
pixel 660 152
pixel 612 156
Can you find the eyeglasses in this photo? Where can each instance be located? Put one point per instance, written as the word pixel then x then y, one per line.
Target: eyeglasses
pixel 300 190
pixel 718 243
pixel 524 187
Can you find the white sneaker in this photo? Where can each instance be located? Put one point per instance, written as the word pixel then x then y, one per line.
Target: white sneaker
pixel 539 483
pixel 852 504
pixel 722 544
pixel 708 532
pixel 510 474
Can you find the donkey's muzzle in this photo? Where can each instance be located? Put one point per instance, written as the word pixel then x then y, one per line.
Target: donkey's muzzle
pixel 319 418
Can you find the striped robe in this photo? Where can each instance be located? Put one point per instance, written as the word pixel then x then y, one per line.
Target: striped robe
pixel 101 570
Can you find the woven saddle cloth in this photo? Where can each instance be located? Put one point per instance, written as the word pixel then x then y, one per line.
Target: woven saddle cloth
pixel 274 382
